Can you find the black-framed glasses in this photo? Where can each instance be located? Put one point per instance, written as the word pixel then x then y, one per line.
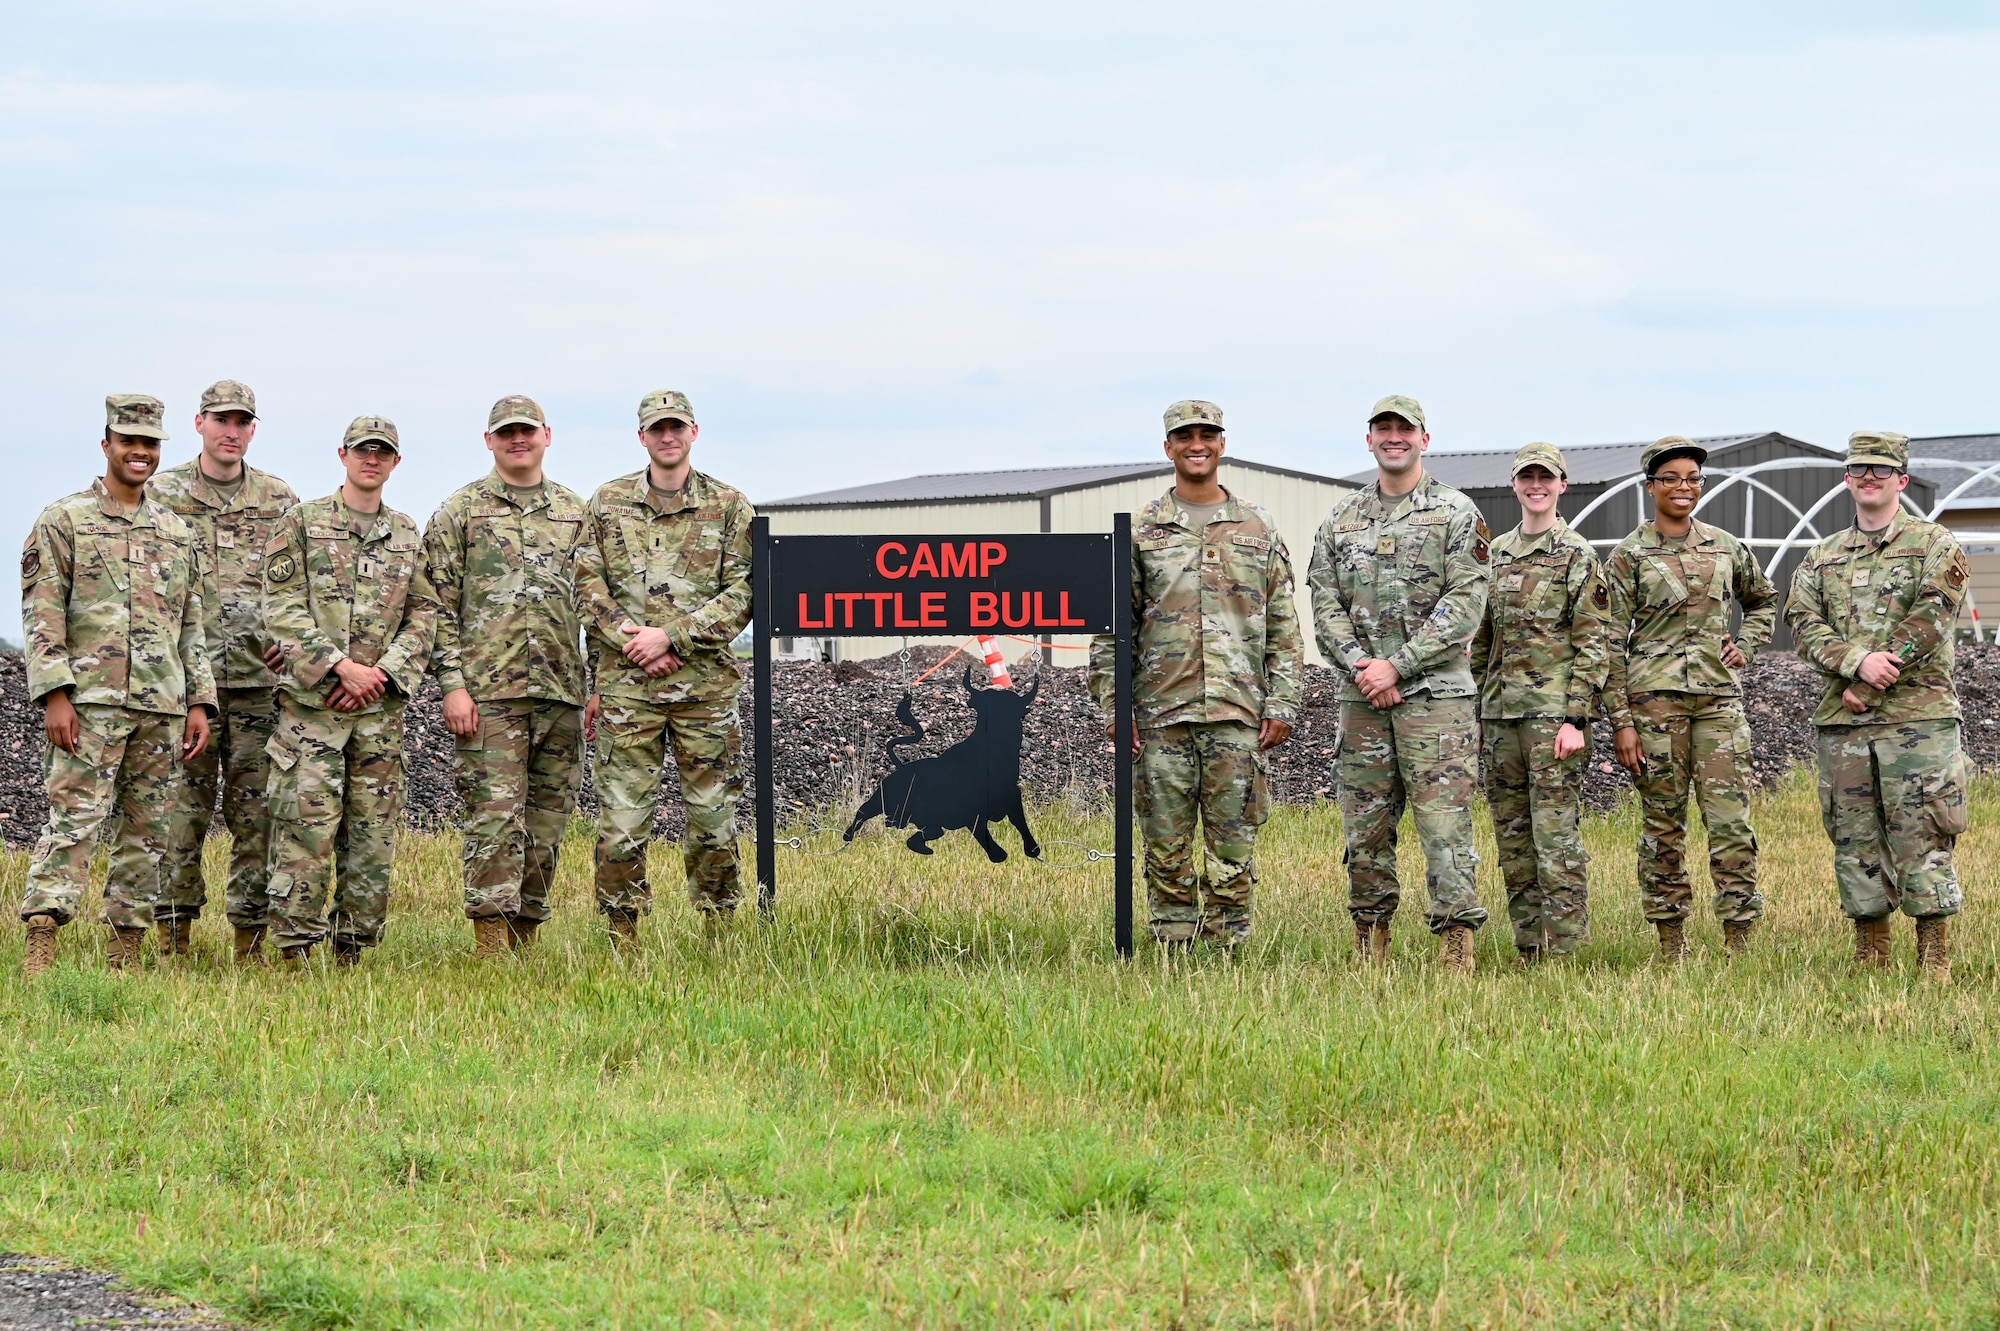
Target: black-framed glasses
pixel 1880 471
pixel 1694 482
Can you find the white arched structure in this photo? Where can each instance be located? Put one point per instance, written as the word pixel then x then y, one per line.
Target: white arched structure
pixel 1805 529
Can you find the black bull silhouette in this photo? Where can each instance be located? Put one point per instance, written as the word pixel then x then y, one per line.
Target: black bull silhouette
pixel 975 782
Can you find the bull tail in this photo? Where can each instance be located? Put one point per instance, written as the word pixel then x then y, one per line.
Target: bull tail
pixel 914 735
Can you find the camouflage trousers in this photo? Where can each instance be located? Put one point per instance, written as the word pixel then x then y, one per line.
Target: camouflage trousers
pixel 234 759
pixel 518 775
pixel 121 781
pixel 336 795
pixel 1213 771
pixel 1419 754
pixel 1695 741
pixel 1893 799
pixel 1537 806
pixel 634 741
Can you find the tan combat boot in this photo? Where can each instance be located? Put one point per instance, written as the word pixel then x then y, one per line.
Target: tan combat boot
pixel 521 931
pixel 123 954
pixel 1371 943
pixel 294 958
pixel 1933 949
pixel 346 953
pixel 1736 936
pixel 1673 941
pixel 41 953
pixel 1872 943
pixel 174 937
pixel 249 949
pixel 624 928
pixel 489 937
pixel 1455 948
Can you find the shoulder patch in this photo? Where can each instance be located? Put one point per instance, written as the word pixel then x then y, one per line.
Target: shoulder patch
pixel 31 567
pixel 1600 596
pixel 281 569
pixel 1482 549
pixel 1956 574
pixel 1484 532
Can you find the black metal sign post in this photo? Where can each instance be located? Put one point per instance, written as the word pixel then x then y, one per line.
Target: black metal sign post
pixel 761 602
pixel 948 586
pixel 1122 757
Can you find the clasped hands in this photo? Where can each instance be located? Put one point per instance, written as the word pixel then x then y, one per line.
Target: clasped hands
pixel 1377 680
pixel 650 648
pixel 1879 669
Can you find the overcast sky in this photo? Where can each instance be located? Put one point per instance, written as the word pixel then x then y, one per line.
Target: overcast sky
pixel 874 239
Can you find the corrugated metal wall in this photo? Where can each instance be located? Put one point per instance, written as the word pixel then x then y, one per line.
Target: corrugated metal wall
pixel 1296 503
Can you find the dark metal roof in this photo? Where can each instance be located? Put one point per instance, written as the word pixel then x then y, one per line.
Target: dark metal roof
pixel 1589 464
pixel 1026 483
pixel 1966 448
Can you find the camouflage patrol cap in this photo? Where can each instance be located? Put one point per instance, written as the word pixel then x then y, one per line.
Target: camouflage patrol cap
pixel 1193 411
pixel 665 404
pixel 1673 446
pixel 1540 455
pixel 362 429
pixel 136 413
pixel 515 410
pixel 228 395
pixel 1398 405
pixel 1879 446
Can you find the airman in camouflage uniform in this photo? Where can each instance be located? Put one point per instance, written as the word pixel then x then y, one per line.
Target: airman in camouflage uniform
pixel 1398 577
pixel 232 519
pixel 351 608
pixel 1215 683
pixel 664 577
pixel 1539 658
pixel 111 612
pixel 501 554
pixel 1674 697
pixel 1874 609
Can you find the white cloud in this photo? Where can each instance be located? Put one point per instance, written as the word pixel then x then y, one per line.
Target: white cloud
pixel 894 237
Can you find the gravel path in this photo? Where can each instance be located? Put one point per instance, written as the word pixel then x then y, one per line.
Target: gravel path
pixel 39 1295
pixel 832 720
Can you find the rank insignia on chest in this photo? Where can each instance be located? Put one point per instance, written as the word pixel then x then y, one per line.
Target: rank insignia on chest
pixel 367 568
pixel 1385 545
pixel 225 540
pixel 1513 581
pixel 1860 578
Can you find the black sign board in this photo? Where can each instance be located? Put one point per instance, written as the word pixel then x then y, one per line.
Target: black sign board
pixel 926 586
pixel 945 586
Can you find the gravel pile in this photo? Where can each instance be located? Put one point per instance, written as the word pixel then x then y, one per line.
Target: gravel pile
pixel 39 1295
pixel 832 720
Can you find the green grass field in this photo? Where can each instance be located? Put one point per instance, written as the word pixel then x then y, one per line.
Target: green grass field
pixel 929 1096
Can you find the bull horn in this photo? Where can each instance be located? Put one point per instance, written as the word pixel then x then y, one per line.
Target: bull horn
pixel 968 679
pixel 1034 688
